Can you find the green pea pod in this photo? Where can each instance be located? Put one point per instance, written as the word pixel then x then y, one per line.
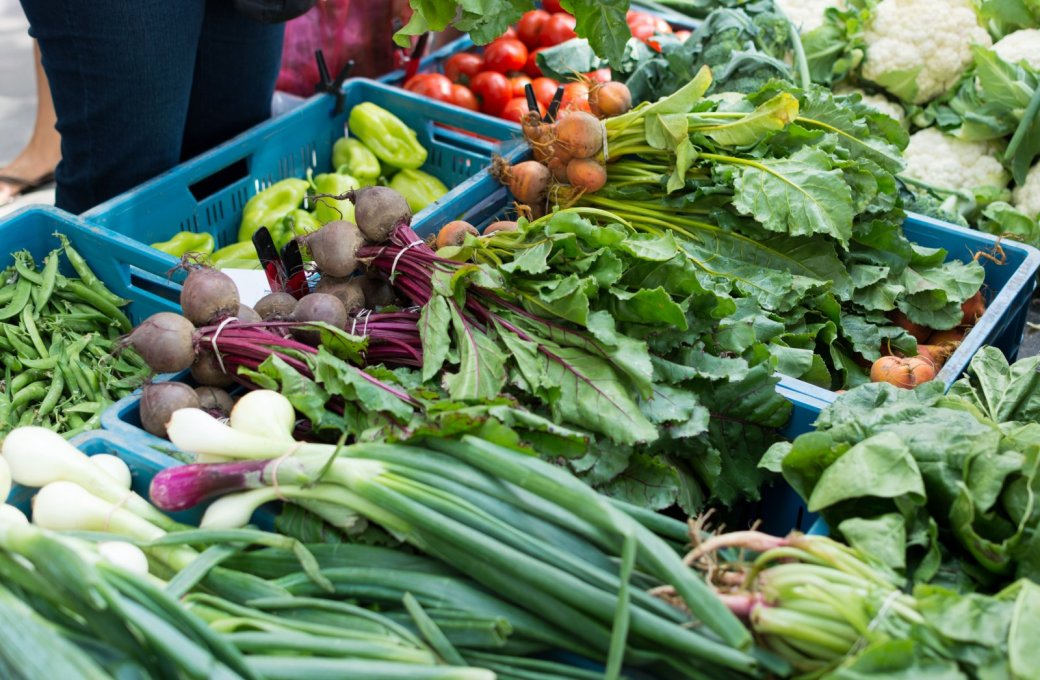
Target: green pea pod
pixel 271 205
pixel 386 136
pixel 296 223
pixel 185 242
pixel 419 188
pixel 244 251
pixel 351 157
pixel 327 209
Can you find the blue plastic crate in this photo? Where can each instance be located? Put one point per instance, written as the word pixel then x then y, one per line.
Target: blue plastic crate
pixel 1008 288
pixel 33 228
pixel 144 464
pixel 289 146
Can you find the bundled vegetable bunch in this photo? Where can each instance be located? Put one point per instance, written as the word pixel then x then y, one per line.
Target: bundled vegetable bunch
pixel 941 487
pixel 565 555
pixel 132 592
pixel 836 612
pixel 792 187
pixel 59 336
pixel 506 347
pixel 381 151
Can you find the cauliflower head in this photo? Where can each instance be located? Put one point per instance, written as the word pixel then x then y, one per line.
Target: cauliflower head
pixel 1020 46
pixel 807 15
pixel 917 49
pixel 1026 196
pixel 950 163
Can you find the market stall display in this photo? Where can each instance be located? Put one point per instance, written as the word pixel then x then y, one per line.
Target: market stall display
pixel 210 194
pixel 683 377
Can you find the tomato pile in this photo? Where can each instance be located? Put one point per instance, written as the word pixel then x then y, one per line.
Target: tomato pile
pixel 494 82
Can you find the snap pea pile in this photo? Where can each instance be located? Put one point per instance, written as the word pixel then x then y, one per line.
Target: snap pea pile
pixel 58 337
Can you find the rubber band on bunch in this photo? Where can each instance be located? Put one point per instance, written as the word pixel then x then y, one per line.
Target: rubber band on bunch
pixel 274 473
pixel 393 269
pixel 878 618
pixel 363 314
pixel 115 508
pixel 213 341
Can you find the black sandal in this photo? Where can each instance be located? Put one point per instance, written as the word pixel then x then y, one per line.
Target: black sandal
pixel 26 186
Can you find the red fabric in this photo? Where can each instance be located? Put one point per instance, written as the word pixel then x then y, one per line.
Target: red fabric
pixel 344 29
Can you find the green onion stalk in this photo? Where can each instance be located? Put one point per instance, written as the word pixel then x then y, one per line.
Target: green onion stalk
pixel 820 604
pixel 198 621
pixel 517 525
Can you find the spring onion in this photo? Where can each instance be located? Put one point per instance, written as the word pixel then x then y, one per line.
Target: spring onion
pixel 264 413
pixel 9 513
pixel 37 457
pixel 5 480
pixel 114 467
pixel 406 490
pixel 125 555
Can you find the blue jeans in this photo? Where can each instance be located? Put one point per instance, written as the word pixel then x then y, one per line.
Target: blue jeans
pixel 141 85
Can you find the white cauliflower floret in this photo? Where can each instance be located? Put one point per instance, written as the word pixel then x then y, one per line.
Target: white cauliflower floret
pixel 950 163
pixel 1020 46
pixel 807 15
pixel 878 102
pixel 1026 197
pixel 917 49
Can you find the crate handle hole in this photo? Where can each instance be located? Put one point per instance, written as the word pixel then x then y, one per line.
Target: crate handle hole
pixel 220 180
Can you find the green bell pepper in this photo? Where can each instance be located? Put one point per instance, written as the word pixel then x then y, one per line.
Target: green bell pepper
pixel 327 209
pixel 351 157
pixel 386 136
pixel 420 189
pixel 241 255
pixel 296 223
pixel 185 242
pixel 270 205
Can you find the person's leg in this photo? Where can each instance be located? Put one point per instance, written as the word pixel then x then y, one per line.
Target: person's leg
pixel 39 157
pixel 120 75
pixel 235 71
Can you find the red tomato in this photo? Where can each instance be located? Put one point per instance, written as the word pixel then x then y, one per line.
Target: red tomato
pixel 519 85
pixel 463 66
pixel 493 91
pixel 575 97
pixel 559 28
pixel 682 35
pixel 633 17
pixel 661 25
pixel 464 97
pixel 531 67
pixel 643 31
pixel 544 89
pixel 432 85
pixel 530 26
pixel 517 108
pixel 510 33
pixel 601 75
pixel 505 55
pixel 552 6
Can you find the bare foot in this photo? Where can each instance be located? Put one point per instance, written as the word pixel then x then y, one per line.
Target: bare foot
pixel 32 167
